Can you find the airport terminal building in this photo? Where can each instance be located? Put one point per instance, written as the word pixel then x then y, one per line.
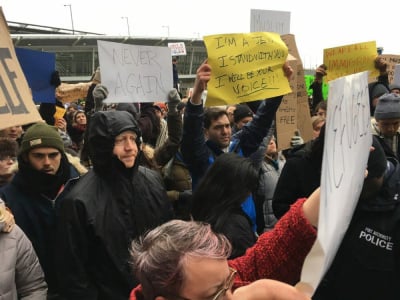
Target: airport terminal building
pixel 77 56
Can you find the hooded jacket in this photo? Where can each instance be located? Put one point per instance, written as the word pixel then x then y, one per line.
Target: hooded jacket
pixel 104 211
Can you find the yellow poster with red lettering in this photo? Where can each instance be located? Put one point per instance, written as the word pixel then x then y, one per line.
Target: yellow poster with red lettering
pixel 350 59
pixel 245 67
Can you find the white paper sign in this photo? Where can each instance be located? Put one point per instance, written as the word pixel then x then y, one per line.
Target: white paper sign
pixel 177 48
pixel 269 21
pixel 135 73
pixel 346 150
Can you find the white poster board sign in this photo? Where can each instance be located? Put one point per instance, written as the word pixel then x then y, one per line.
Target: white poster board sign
pixel 346 150
pixel 177 48
pixel 135 73
pixel 269 21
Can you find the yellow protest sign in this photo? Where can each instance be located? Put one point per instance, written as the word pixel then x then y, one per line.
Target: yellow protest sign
pixel 245 67
pixel 350 59
pixel 16 103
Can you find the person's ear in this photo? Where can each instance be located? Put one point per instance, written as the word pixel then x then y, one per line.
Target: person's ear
pixel 205 130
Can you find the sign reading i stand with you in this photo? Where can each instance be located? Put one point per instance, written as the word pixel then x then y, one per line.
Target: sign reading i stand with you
pixel 135 73
pixel 245 67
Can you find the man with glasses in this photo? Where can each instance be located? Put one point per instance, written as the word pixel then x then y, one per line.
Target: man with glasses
pixel 186 260
pixel 43 172
pixel 114 203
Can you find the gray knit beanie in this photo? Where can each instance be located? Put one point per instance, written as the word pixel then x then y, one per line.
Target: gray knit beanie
pixel 388 107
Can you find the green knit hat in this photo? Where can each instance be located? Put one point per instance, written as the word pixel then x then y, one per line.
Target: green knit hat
pixel 41 135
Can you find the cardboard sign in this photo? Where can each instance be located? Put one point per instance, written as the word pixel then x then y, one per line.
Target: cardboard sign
pixel 270 21
pixel 16 104
pixel 38 67
pixel 294 112
pixel 135 73
pixel 350 59
pixel 392 61
pixel 246 67
pixel 177 48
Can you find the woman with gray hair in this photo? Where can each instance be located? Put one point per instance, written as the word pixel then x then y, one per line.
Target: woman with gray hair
pixel 188 260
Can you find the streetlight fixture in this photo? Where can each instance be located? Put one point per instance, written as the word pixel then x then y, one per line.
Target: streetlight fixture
pixel 72 19
pixel 127 24
pixel 166 26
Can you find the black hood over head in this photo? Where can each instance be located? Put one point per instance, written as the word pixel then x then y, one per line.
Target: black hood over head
pixel 104 126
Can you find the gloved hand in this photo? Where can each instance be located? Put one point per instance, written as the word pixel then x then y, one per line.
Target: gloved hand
pixel 296 141
pixel 55 79
pixel 320 72
pixel 173 100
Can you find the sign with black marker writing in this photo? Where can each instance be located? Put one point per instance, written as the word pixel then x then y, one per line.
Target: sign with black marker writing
pixel 245 67
pixel 135 73
pixel 346 150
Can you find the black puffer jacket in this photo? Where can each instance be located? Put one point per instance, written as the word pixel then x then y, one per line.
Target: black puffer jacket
pixel 104 211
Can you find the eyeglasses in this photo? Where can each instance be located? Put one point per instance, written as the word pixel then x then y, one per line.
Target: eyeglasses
pixel 227 286
pixel 8 158
pixel 219 295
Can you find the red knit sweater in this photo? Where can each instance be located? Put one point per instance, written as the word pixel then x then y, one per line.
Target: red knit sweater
pixel 278 254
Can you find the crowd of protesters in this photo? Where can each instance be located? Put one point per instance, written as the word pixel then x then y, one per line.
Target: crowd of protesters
pixel 175 200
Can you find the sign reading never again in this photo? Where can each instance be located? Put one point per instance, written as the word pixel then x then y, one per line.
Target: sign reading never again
pixel 16 104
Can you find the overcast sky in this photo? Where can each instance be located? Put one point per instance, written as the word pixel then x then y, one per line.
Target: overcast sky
pixel 316 24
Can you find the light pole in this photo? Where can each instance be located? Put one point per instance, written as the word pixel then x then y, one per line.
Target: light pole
pixel 72 19
pixel 127 24
pixel 166 26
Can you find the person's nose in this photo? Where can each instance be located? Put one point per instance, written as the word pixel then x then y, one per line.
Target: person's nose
pixel 129 144
pixel 46 160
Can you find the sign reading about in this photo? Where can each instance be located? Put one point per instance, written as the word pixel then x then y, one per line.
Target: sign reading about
pixel 246 67
pixel 350 59
pixel 135 73
pixel 16 104
pixel 177 48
